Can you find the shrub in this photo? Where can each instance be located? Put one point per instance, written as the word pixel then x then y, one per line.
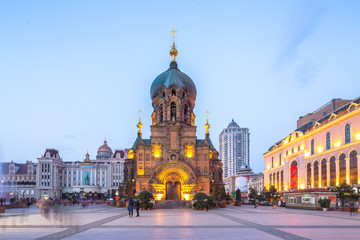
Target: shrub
pixel 145 199
pixel 324 203
pixel 222 193
pixel 200 201
pixel 215 193
pixel 228 197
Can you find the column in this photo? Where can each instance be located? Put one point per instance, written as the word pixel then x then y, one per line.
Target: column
pixel 337 172
pixel 347 170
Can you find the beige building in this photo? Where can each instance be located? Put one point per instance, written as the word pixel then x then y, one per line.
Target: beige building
pixel 323 150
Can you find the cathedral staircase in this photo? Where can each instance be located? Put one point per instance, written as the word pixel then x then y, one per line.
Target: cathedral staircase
pixel 172 204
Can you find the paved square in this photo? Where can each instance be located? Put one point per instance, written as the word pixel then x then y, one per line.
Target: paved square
pixel 245 222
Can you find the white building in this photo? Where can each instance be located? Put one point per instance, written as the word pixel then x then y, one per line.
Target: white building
pixel 234 149
pixel 93 178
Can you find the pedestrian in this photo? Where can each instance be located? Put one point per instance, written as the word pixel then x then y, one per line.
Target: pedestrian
pixel 131 208
pixel 137 205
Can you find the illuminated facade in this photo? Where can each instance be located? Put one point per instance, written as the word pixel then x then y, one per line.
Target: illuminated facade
pixel 234 144
pixel 173 164
pixel 322 151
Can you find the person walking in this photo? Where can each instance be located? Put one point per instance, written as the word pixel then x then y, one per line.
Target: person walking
pixel 131 207
pixel 137 206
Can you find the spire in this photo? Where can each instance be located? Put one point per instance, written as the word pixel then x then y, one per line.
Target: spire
pixel 139 125
pixel 207 125
pixel 173 51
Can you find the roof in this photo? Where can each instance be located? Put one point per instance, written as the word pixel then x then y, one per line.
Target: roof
pixel 104 148
pixel 146 141
pixel 233 124
pixel 122 153
pixel 172 76
pixel 53 152
pixel 312 190
pixel 20 168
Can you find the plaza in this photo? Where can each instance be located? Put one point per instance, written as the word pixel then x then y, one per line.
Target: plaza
pixel 245 222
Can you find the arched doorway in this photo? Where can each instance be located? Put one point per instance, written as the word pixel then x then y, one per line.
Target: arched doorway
pixel 173 190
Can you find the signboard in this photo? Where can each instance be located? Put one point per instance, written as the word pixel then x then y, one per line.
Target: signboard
pixel 306 199
pixel 241 183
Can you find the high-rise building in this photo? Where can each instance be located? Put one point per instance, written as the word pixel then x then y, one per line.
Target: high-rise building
pixel 234 148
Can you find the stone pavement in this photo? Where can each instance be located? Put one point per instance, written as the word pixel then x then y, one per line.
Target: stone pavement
pixel 245 222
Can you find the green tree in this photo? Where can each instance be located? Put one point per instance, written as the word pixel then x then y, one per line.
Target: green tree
pixel 238 194
pixel 222 193
pixel 346 193
pixel 129 190
pixel 215 193
pixel 145 199
pixel 252 194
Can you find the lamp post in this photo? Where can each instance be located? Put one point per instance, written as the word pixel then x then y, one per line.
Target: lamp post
pixel 134 190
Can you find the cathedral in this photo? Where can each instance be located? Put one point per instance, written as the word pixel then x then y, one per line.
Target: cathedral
pixel 173 164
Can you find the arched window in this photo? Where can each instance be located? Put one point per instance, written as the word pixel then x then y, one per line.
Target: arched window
pixel 278 181
pixel 328 141
pixel 161 113
pixel 186 113
pixel 347 134
pixel 173 92
pixel 173 112
pixel 274 175
pixel 312 147
pixel 294 175
pixel 270 179
pixel 212 175
pixel 323 173
pixel 282 180
pixel 183 95
pixel 316 174
pixel 342 168
pixel 308 175
pixel 332 171
pixel 353 168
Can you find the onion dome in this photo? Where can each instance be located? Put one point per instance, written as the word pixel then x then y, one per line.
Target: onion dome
pixel 173 76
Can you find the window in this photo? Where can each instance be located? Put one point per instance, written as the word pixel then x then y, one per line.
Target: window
pixel 312 147
pixel 161 115
pixel 323 173
pixel 347 134
pixel 332 170
pixel 270 178
pixel 173 92
pixel 186 110
pixel 272 162
pixel 173 112
pixel 280 159
pixel 328 141
pixel 308 175
pixel 282 180
pixel 353 168
pixel 342 168
pixel 277 181
pixel 294 175
pixel 316 174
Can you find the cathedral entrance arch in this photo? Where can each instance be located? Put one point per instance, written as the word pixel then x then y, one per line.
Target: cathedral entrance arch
pixel 173 190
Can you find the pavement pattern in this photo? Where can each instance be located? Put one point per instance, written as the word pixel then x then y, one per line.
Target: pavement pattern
pixel 245 222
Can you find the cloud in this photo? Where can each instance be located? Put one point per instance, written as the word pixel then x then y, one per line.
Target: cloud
pixel 307 72
pixel 305 22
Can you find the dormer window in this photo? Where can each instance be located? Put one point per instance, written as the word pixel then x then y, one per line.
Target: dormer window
pixel 173 92
pixel 47 155
pixel 118 155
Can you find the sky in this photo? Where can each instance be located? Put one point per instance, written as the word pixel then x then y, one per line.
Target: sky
pixel 73 73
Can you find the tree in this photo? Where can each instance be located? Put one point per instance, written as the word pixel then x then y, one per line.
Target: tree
pixel 238 195
pixel 346 193
pixel 215 192
pixel 271 194
pixel 129 190
pixel 145 199
pixel 121 191
pixel 252 194
pixel 222 193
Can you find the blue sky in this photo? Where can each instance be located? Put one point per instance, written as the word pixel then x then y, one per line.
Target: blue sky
pixel 75 72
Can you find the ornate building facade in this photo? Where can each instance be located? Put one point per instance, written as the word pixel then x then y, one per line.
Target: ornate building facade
pixel 92 178
pixel 173 164
pixel 322 151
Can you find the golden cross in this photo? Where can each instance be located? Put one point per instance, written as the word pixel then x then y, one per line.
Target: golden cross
pixel 139 115
pixel 207 114
pixel 173 32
